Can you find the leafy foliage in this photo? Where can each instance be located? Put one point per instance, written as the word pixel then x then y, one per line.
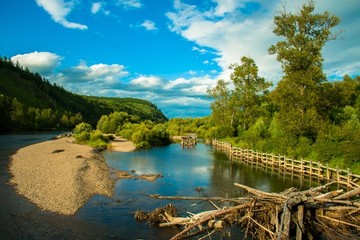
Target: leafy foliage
pixel 145 134
pixel 84 134
pixel 305 115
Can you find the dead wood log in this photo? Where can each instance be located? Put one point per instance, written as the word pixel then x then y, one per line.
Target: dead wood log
pixel 330 194
pixel 218 199
pixel 261 193
pixel 340 221
pixel 210 216
pixel 259 213
pixel 349 194
pixel 284 229
pixel 272 234
pixel 300 223
pixel 171 220
pixel 339 202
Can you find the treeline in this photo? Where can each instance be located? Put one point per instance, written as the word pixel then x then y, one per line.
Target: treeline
pixel 30 102
pixel 305 115
pixel 17 116
pixel 144 133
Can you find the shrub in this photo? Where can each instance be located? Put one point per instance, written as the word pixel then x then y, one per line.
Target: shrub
pixel 143 145
pixel 82 127
pixel 82 137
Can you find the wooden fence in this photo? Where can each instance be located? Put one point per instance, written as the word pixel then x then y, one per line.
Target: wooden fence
pixel 301 167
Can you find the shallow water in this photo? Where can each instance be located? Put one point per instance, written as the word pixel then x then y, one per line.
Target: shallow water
pixel 111 217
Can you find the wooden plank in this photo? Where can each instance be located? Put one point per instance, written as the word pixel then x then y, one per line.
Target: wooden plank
pixel 300 224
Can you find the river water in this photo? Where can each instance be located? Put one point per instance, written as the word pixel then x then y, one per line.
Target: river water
pixel 184 169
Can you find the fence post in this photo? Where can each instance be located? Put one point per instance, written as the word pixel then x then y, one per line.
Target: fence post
pixel 327 172
pixel 302 166
pixel 311 167
pixel 348 178
pixel 279 162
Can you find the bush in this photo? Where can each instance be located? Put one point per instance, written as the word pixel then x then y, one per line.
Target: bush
pixel 97 135
pixel 82 137
pixel 99 144
pixel 82 127
pixel 84 134
pixel 143 145
pixel 303 148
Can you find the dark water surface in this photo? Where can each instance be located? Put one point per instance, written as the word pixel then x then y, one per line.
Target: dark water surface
pixel 111 218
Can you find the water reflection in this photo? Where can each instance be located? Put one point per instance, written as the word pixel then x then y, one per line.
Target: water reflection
pixel 111 218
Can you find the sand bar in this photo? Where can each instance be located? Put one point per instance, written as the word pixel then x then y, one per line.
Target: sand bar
pixel 120 144
pixel 60 176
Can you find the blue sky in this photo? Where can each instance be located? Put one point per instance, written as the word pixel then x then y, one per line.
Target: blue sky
pixel 166 51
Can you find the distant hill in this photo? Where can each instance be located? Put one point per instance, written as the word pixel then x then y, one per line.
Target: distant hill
pixel 35 93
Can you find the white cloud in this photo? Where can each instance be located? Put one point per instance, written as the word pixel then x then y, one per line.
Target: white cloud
pixel 95 8
pixel 185 101
pixel 180 81
pixel 191 86
pixel 236 28
pixel 146 81
pixel 58 10
pixel 230 37
pixel 130 3
pixel 149 25
pixel 101 73
pixel 98 7
pixel 226 6
pixel 41 62
pixel 200 50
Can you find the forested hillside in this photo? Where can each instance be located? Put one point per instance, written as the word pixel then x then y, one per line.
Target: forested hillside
pixel 30 102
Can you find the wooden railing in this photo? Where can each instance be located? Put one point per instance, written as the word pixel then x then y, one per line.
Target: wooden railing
pixel 301 167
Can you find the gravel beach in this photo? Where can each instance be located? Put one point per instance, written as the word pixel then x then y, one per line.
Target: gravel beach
pixel 60 176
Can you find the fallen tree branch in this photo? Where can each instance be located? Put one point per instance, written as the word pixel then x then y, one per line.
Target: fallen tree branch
pixel 349 194
pixel 218 199
pixel 259 214
pixel 261 193
pixel 210 216
pixel 340 221
pixel 272 234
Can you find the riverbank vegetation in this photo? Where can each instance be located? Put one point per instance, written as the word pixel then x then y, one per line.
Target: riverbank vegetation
pixel 305 114
pixel 144 134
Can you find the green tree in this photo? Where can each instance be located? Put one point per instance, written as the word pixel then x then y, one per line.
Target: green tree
pixel 6 110
pixel 223 107
pixel 249 89
pixel 82 127
pixel 297 94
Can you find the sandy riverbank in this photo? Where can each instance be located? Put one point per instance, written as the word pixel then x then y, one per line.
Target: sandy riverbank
pixel 60 176
pixel 120 144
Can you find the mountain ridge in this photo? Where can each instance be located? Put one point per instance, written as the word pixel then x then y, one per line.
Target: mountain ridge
pixel 19 85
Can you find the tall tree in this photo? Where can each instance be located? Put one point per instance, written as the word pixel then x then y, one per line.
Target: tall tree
pixel 223 107
pixel 297 94
pixel 249 89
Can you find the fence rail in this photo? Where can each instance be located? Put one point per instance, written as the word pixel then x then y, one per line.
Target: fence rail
pixel 302 167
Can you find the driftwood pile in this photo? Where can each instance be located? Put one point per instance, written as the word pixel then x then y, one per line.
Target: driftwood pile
pixel 316 213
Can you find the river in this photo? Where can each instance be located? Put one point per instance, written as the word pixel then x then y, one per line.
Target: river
pixel 184 169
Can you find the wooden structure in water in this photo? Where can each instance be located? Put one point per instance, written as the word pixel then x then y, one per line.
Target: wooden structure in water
pixel 188 141
pixel 315 213
pixel 291 166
